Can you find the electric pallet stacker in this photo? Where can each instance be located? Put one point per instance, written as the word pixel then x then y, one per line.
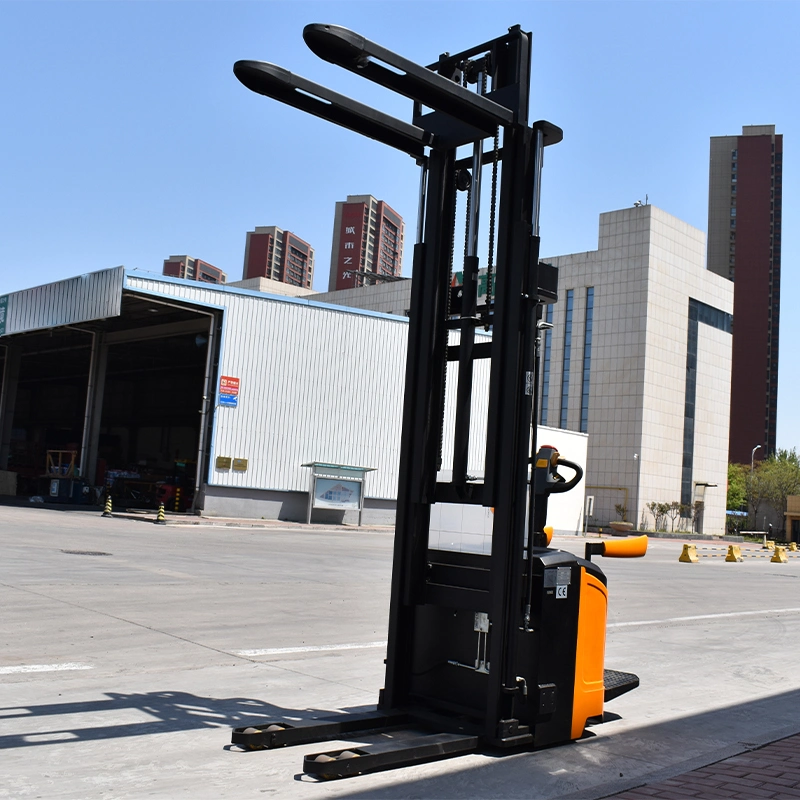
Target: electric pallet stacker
pixel 484 651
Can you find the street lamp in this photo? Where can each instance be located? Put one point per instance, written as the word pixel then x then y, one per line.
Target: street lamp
pixel 750 487
pixel 752 455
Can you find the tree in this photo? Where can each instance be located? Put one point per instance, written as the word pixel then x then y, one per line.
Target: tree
pixel 659 512
pixel 686 514
pixel 757 487
pixel 781 473
pixel 697 513
pixel 675 510
pixel 737 486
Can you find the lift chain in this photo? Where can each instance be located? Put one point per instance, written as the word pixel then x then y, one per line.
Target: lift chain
pixel 470 189
pixel 463 82
pixel 492 223
pixel 470 72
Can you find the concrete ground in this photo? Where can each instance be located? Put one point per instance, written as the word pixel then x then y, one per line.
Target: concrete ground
pixel 130 650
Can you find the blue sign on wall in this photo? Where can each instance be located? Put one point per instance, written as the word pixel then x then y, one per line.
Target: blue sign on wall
pixel 230 400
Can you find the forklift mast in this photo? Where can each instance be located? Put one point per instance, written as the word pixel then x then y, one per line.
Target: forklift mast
pixel 503 649
pixel 434 602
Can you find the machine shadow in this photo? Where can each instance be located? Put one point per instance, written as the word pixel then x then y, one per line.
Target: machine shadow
pixel 166 711
pixel 592 765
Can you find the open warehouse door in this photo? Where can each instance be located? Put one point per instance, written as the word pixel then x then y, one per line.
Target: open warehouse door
pixel 116 406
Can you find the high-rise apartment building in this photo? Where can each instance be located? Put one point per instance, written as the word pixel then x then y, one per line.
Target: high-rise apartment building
pixel 744 245
pixel 193 269
pixel 278 255
pixel 367 243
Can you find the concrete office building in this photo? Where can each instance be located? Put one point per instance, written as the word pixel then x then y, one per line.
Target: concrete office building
pixel 744 245
pixel 192 269
pixel 640 358
pixel 367 243
pixel 278 255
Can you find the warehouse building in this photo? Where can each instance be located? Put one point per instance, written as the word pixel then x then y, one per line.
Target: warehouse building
pixel 139 382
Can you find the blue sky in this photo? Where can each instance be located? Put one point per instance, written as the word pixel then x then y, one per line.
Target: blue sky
pixel 126 137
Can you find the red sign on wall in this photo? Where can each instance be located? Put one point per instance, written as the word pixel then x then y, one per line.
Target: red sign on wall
pixel 228 385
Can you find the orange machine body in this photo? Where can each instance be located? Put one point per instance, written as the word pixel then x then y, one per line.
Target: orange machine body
pixel 590 653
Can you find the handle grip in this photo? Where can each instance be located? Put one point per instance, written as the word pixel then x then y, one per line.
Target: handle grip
pixel 572 482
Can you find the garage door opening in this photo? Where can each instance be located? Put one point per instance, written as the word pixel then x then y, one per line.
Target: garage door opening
pixel 50 371
pixel 150 424
pixel 119 406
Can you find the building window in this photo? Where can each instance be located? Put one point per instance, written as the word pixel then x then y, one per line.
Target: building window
pixel 548 343
pixel 562 421
pixel 587 360
pixel 715 318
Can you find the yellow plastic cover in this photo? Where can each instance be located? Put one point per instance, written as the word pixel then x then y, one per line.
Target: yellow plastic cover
pixel 632 547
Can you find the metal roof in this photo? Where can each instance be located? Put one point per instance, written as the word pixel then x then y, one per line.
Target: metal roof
pixel 108 294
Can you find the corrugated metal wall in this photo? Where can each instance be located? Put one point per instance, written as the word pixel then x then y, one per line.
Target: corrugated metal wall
pixel 96 295
pixel 480 408
pixel 318 383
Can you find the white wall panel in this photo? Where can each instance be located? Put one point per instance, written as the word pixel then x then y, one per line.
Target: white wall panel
pixel 317 384
pixel 478 422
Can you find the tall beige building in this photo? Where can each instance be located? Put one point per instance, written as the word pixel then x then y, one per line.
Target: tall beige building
pixel 639 358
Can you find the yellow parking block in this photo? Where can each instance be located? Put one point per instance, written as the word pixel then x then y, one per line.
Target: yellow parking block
pixel 734 553
pixel 780 556
pixel 689 554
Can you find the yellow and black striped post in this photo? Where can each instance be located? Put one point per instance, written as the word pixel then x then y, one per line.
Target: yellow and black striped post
pixel 107 509
pixel 160 518
pixel 177 498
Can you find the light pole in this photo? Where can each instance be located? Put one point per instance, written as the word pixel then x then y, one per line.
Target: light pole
pixel 750 485
pixel 752 456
